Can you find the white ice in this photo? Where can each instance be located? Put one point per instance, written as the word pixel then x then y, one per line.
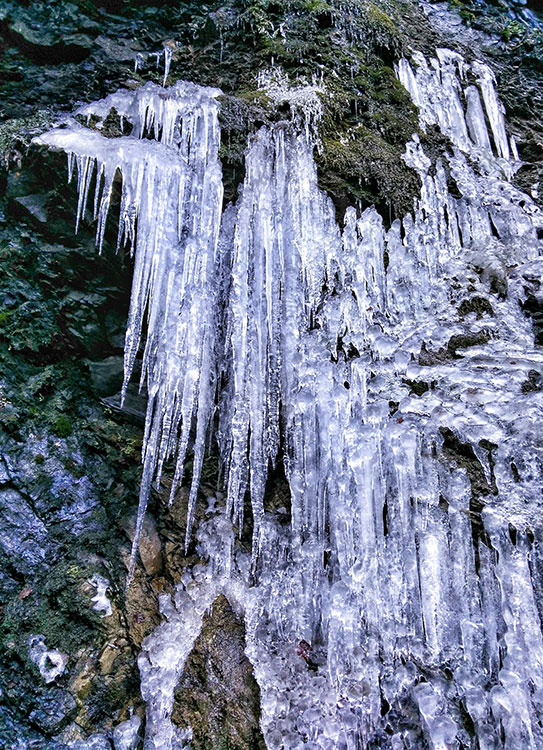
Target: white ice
pixel 51 663
pixel 100 601
pixel 385 367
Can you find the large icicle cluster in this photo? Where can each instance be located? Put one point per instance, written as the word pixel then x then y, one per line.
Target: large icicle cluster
pixel 388 369
pixel 439 90
pixel 284 230
pixel 172 190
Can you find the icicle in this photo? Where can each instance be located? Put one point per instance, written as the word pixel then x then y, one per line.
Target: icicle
pixel 514 149
pixel 138 61
pixel 85 166
pixel 71 159
pixel 167 62
pixel 98 189
pixel 493 106
pixel 476 119
pixel 175 275
pixel 435 89
pixel 103 207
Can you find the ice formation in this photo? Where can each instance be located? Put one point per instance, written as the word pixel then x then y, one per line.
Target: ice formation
pixel 439 89
pixel 126 735
pixel 100 601
pixel 141 57
pixel 51 663
pixel 387 369
pixel 172 189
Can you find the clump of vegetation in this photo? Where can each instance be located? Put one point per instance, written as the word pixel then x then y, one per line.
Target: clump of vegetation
pixel 63 426
pixel 17 133
pixel 367 115
pixel 478 305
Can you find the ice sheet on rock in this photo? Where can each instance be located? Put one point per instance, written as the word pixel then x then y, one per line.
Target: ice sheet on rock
pixel 153 109
pixel 388 569
pixel 100 601
pixel 164 654
pixel 370 502
pixel 94 742
pixel 51 663
pixel 165 650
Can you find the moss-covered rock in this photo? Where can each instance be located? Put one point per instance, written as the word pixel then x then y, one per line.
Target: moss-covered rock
pixel 218 696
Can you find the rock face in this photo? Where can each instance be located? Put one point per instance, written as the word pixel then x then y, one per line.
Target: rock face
pixel 217 696
pixel 70 462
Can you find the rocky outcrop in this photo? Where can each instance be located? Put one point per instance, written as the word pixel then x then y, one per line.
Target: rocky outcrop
pixel 217 696
pixel 70 462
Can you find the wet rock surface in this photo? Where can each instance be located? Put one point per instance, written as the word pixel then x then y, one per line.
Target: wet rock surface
pixel 217 696
pixel 52 538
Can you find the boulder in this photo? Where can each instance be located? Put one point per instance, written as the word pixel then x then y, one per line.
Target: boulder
pixel 107 375
pixel 150 547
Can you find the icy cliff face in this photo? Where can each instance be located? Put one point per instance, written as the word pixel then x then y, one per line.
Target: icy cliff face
pixel 398 602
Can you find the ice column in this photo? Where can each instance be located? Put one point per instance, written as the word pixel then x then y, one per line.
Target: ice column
pixel 284 231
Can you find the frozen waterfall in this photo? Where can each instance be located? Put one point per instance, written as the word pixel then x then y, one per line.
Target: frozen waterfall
pixel 387 369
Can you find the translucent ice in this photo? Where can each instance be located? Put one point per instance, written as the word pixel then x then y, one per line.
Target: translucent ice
pixel 440 89
pixel 396 601
pixel 126 735
pixel 172 190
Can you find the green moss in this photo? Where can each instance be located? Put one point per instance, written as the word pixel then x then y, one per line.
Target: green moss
pixel 464 341
pixel 63 426
pixel 368 169
pixel 354 44
pixel 513 30
pixel 384 31
pixel 56 608
pixel 239 115
pixel 478 305
pixel 467 16
pixel 110 127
